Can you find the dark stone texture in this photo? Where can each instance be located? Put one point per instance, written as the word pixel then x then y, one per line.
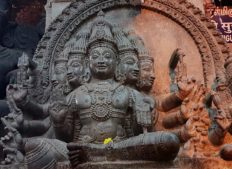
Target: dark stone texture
pixel 129 165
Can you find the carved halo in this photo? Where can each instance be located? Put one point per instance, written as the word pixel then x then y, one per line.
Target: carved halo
pixel 209 42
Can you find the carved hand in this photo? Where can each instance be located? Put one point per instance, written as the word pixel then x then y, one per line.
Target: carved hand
pixel 14 120
pixel 189 129
pixel 58 112
pixel 18 94
pixel 12 156
pixel 12 144
pixel 222 120
pixel 12 139
pixel 185 87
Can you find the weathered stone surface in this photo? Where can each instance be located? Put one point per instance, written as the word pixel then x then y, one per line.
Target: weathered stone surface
pixel 129 165
pixel 93 87
pixel 203 163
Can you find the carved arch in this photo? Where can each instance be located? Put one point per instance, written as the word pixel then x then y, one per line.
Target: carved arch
pixel 209 42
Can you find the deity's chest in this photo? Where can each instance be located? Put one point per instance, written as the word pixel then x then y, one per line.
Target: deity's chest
pixel 103 101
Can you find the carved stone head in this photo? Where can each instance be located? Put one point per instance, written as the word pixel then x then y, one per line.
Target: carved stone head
pixel 77 67
pixel 146 77
pixel 146 62
pixel 102 49
pixel 60 70
pixel 127 68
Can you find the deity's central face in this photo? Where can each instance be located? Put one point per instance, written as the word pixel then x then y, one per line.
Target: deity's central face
pixel 102 62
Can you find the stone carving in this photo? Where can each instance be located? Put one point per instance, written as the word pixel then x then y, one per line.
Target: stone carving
pixel 100 72
pixel 178 69
pixel 193 120
pixel 183 16
pixel 102 104
pixel 221 119
pixel 91 86
pixel 17 35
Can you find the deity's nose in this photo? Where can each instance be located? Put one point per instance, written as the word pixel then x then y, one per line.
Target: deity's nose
pixel 101 62
pixel 70 72
pixel 136 68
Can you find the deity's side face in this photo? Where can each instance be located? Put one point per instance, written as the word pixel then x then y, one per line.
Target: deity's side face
pixel 102 62
pixel 129 66
pixel 75 70
pixel 59 75
pixel 147 73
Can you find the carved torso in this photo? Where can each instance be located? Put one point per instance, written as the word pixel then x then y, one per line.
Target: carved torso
pixel 102 108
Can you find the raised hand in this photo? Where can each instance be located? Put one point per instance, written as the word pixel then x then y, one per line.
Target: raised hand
pixel 12 139
pixel 189 129
pixel 58 112
pixel 12 144
pixel 185 87
pixel 14 120
pixel 223 120
pixel 16 93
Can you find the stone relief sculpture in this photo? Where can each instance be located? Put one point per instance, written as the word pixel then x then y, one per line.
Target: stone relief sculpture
pixel 99 104
pixel 90 102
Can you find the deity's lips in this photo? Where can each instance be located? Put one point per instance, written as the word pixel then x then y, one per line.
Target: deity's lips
pixel 101 66
pixel 135 73
pixel 151 79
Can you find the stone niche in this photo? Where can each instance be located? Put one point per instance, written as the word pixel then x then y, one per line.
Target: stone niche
pixel 165 27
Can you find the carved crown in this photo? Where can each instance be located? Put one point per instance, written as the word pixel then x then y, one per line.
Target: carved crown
pixel 101 33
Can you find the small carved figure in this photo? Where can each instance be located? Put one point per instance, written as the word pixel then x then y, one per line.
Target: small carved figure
pixel 146 62
pixel 128 69
pixel 220 117
pixel 178 69
pixel 78 72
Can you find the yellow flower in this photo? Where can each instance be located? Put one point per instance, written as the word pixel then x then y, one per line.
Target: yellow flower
pixel 108 140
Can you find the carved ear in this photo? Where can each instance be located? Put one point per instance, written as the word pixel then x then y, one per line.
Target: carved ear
pixel 117 73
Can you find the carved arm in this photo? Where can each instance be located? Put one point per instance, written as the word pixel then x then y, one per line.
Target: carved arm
pixel 62 120
pixel 168 102
pixel 174 100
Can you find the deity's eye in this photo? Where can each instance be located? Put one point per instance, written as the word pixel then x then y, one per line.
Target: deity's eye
pixel 146 68
pixel 107 55
pixel 94 54
pixel 130 61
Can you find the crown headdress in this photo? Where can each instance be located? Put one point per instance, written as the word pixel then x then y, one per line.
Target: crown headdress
pixel 80 46
pixel 101 33
pixel 124 45
pixel 139 45
pixel 62 57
